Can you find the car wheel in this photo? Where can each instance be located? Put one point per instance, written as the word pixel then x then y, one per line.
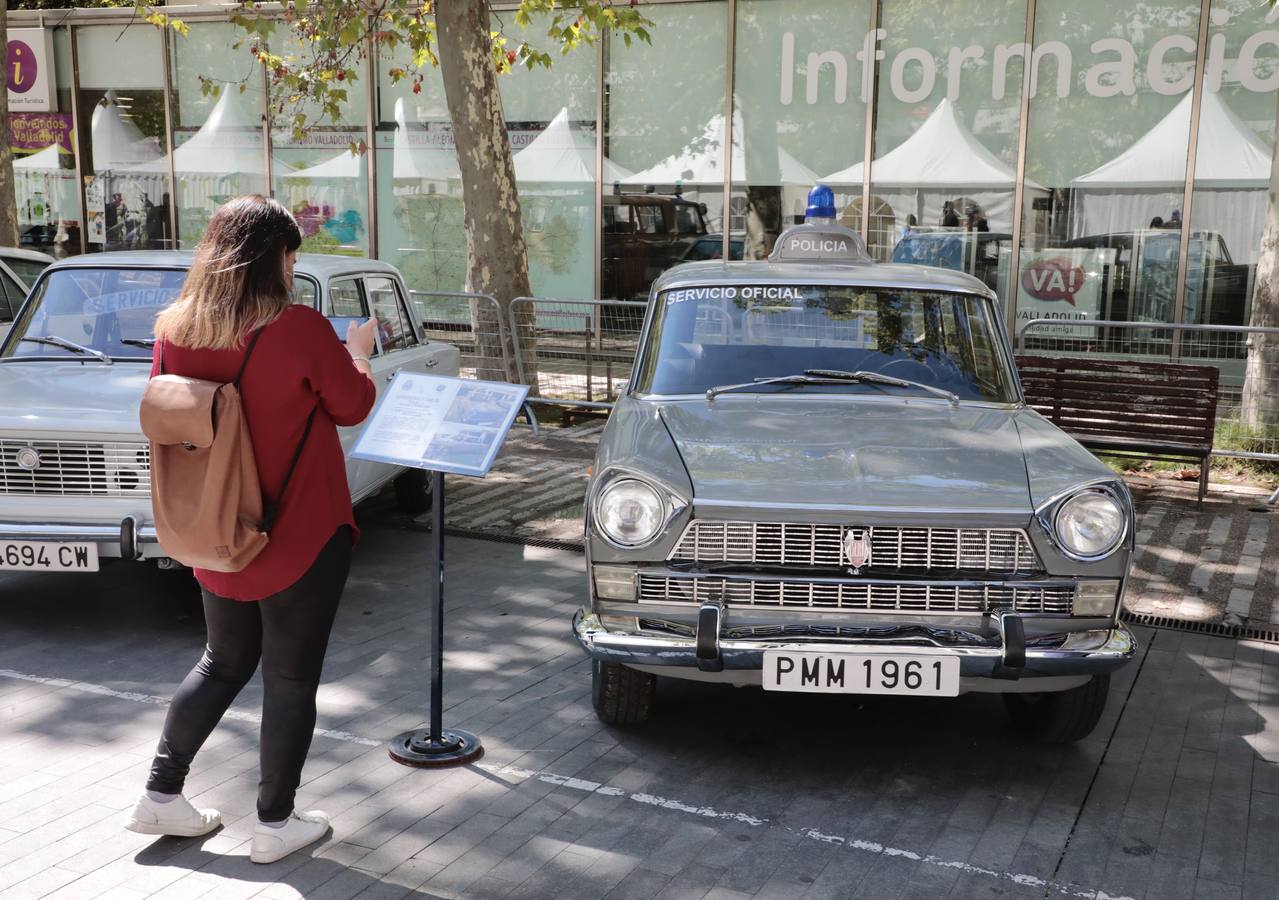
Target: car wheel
pixel 413 491
pixel 1060 717
pixel 621 696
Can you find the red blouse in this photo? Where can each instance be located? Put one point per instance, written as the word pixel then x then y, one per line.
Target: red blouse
pixel 297 363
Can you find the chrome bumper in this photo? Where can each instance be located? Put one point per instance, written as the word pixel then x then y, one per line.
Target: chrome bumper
pixel 124 540
pixel 1006 657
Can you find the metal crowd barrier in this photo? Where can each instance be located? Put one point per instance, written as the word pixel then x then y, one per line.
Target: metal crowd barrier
pixel 475 324
pixel 1247 356
pixel 575 353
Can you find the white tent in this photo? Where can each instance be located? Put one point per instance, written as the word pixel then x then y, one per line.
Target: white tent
pixel 941 161
pixel 45 190
pixel 431 163
pixel 345 165
pixel 120 155
pixel 117 144
pixel 45 159
pixel 1232 170
pixel 562 154
pixel 223 158
pixel 702 162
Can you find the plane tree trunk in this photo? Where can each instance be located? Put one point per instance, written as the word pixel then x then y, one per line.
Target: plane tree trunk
pixel 8 201
pixel 1261 378
pixel 497 257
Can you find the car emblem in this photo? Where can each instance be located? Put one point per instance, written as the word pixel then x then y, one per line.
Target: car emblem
pixel 857 548
pixel 28 458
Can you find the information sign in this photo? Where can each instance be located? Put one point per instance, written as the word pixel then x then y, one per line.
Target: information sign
pixel 440 423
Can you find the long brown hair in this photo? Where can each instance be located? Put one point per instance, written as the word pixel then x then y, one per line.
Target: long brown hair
pixel 237 281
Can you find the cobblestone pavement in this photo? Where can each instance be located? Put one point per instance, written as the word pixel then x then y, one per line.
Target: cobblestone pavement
pixel 535 489
pixel 723 794
pixel 1205 563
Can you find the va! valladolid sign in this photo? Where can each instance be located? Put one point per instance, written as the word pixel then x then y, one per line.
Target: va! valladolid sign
pixel 1112 68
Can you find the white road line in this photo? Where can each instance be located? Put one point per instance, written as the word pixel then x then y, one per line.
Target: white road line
pixel 604 790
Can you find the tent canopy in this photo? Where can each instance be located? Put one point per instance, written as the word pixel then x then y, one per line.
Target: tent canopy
pixel 942 153
pixel 118 144
pixel 562 153
pixel 427 163
pixel 702 162
pixel 228 144
pixel 345 165
pixel 44 159
pixel 1229 153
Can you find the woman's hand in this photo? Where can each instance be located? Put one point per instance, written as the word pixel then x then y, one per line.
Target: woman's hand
pixel 359 338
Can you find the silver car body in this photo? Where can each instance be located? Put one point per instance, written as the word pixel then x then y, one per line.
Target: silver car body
pixel 84 414
pixel 759 483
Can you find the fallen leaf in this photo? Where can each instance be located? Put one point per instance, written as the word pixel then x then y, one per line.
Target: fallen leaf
pixel 1186 475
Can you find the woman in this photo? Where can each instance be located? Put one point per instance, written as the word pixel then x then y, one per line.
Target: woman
pixel 278 609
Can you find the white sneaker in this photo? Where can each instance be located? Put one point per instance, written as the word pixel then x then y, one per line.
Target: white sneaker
pixel 270 844
pixel 177 818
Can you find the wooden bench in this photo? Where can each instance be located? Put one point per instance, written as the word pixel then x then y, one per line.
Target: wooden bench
pixel 1128 408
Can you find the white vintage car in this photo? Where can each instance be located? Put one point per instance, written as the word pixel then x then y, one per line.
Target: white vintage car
pixel 19 269
pixel 74 464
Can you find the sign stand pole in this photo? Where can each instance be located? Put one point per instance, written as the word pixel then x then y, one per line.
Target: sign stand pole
pixel 436 747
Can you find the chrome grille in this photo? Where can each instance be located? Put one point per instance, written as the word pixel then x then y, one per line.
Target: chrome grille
pixel 892 548
pixel 899 598
pixel 76 469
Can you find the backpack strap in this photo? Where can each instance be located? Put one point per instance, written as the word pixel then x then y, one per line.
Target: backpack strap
pixel 272 510
pixel 253 342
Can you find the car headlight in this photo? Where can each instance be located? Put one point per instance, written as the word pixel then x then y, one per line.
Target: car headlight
pixel 630 512
pixel 1090 524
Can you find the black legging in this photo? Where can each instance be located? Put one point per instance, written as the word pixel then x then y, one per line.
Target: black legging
pixel 289 632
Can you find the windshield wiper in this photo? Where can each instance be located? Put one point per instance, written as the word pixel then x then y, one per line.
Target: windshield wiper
pixel 880 378
pixel 777 379
pixel 138 342
pixel 54 341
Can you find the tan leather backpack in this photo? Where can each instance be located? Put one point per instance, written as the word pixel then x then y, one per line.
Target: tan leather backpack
pixel 205 495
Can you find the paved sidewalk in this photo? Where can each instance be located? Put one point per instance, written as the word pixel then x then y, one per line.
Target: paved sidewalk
pixel 1205 564
pixel 724 794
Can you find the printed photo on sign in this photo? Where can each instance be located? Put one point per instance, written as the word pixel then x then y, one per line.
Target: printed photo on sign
pixel 440 424
pixel 476 405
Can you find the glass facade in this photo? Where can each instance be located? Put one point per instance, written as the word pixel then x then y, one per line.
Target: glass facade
pixel 44 164
pixel 218 144
pixel 1086 159
pixel 124 149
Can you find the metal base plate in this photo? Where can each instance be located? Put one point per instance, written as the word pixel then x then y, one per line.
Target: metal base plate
pixel 455 748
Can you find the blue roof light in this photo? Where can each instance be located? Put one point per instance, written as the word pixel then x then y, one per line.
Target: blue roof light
pixel 821 203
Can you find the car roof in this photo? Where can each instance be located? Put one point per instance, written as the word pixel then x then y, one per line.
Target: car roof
pixel 318 265
pixel 872 275
pixel 23 253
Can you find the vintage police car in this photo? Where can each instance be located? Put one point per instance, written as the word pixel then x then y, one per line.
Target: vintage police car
pixel 74 464
pixel 823 477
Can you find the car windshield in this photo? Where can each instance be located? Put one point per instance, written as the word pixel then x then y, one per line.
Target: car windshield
pixel 27 269
pixel 110 311
pixel 712 336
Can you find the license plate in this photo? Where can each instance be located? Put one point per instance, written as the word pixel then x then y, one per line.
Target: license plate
pixel 46 556
pixel 861 673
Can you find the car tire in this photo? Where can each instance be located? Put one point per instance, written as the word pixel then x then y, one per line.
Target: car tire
pixel 1060 717
pixel 413 491
pixel 621 695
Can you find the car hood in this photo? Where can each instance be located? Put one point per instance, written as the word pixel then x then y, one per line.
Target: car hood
pixel 904 455
pixel 71 397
